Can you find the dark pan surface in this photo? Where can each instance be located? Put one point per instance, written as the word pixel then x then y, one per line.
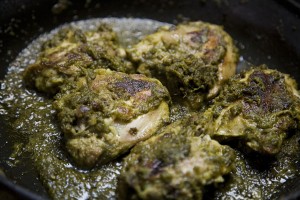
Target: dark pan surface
pixel 265 31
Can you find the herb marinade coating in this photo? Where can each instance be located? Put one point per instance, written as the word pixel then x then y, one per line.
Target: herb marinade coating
pixel 258 107
pixel 191 59
pixel 175 164
pixel 102 117
pixel 70 53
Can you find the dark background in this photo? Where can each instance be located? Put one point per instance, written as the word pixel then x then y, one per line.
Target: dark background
pixel 267 31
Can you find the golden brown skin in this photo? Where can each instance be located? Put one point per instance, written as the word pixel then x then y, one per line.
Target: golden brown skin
pixel 192 60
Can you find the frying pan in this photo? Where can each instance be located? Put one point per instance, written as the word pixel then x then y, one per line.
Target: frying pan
pixel 265 32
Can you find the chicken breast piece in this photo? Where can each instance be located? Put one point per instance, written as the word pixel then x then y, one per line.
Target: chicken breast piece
pixel 103 116
pixel 192 59
pixel 258 107
pixel 70 52
pixel 175 164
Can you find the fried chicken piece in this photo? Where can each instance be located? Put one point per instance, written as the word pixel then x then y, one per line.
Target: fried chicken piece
pixel 192 60
pixel 103 116
pixel 70 52
pixel 258 107
pixel 175 164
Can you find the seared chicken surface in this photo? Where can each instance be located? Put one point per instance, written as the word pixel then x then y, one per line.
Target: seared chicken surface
pixel 70 52
pixel 104 116
pixel 192 60
pixel 175 164
pixel 258 107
